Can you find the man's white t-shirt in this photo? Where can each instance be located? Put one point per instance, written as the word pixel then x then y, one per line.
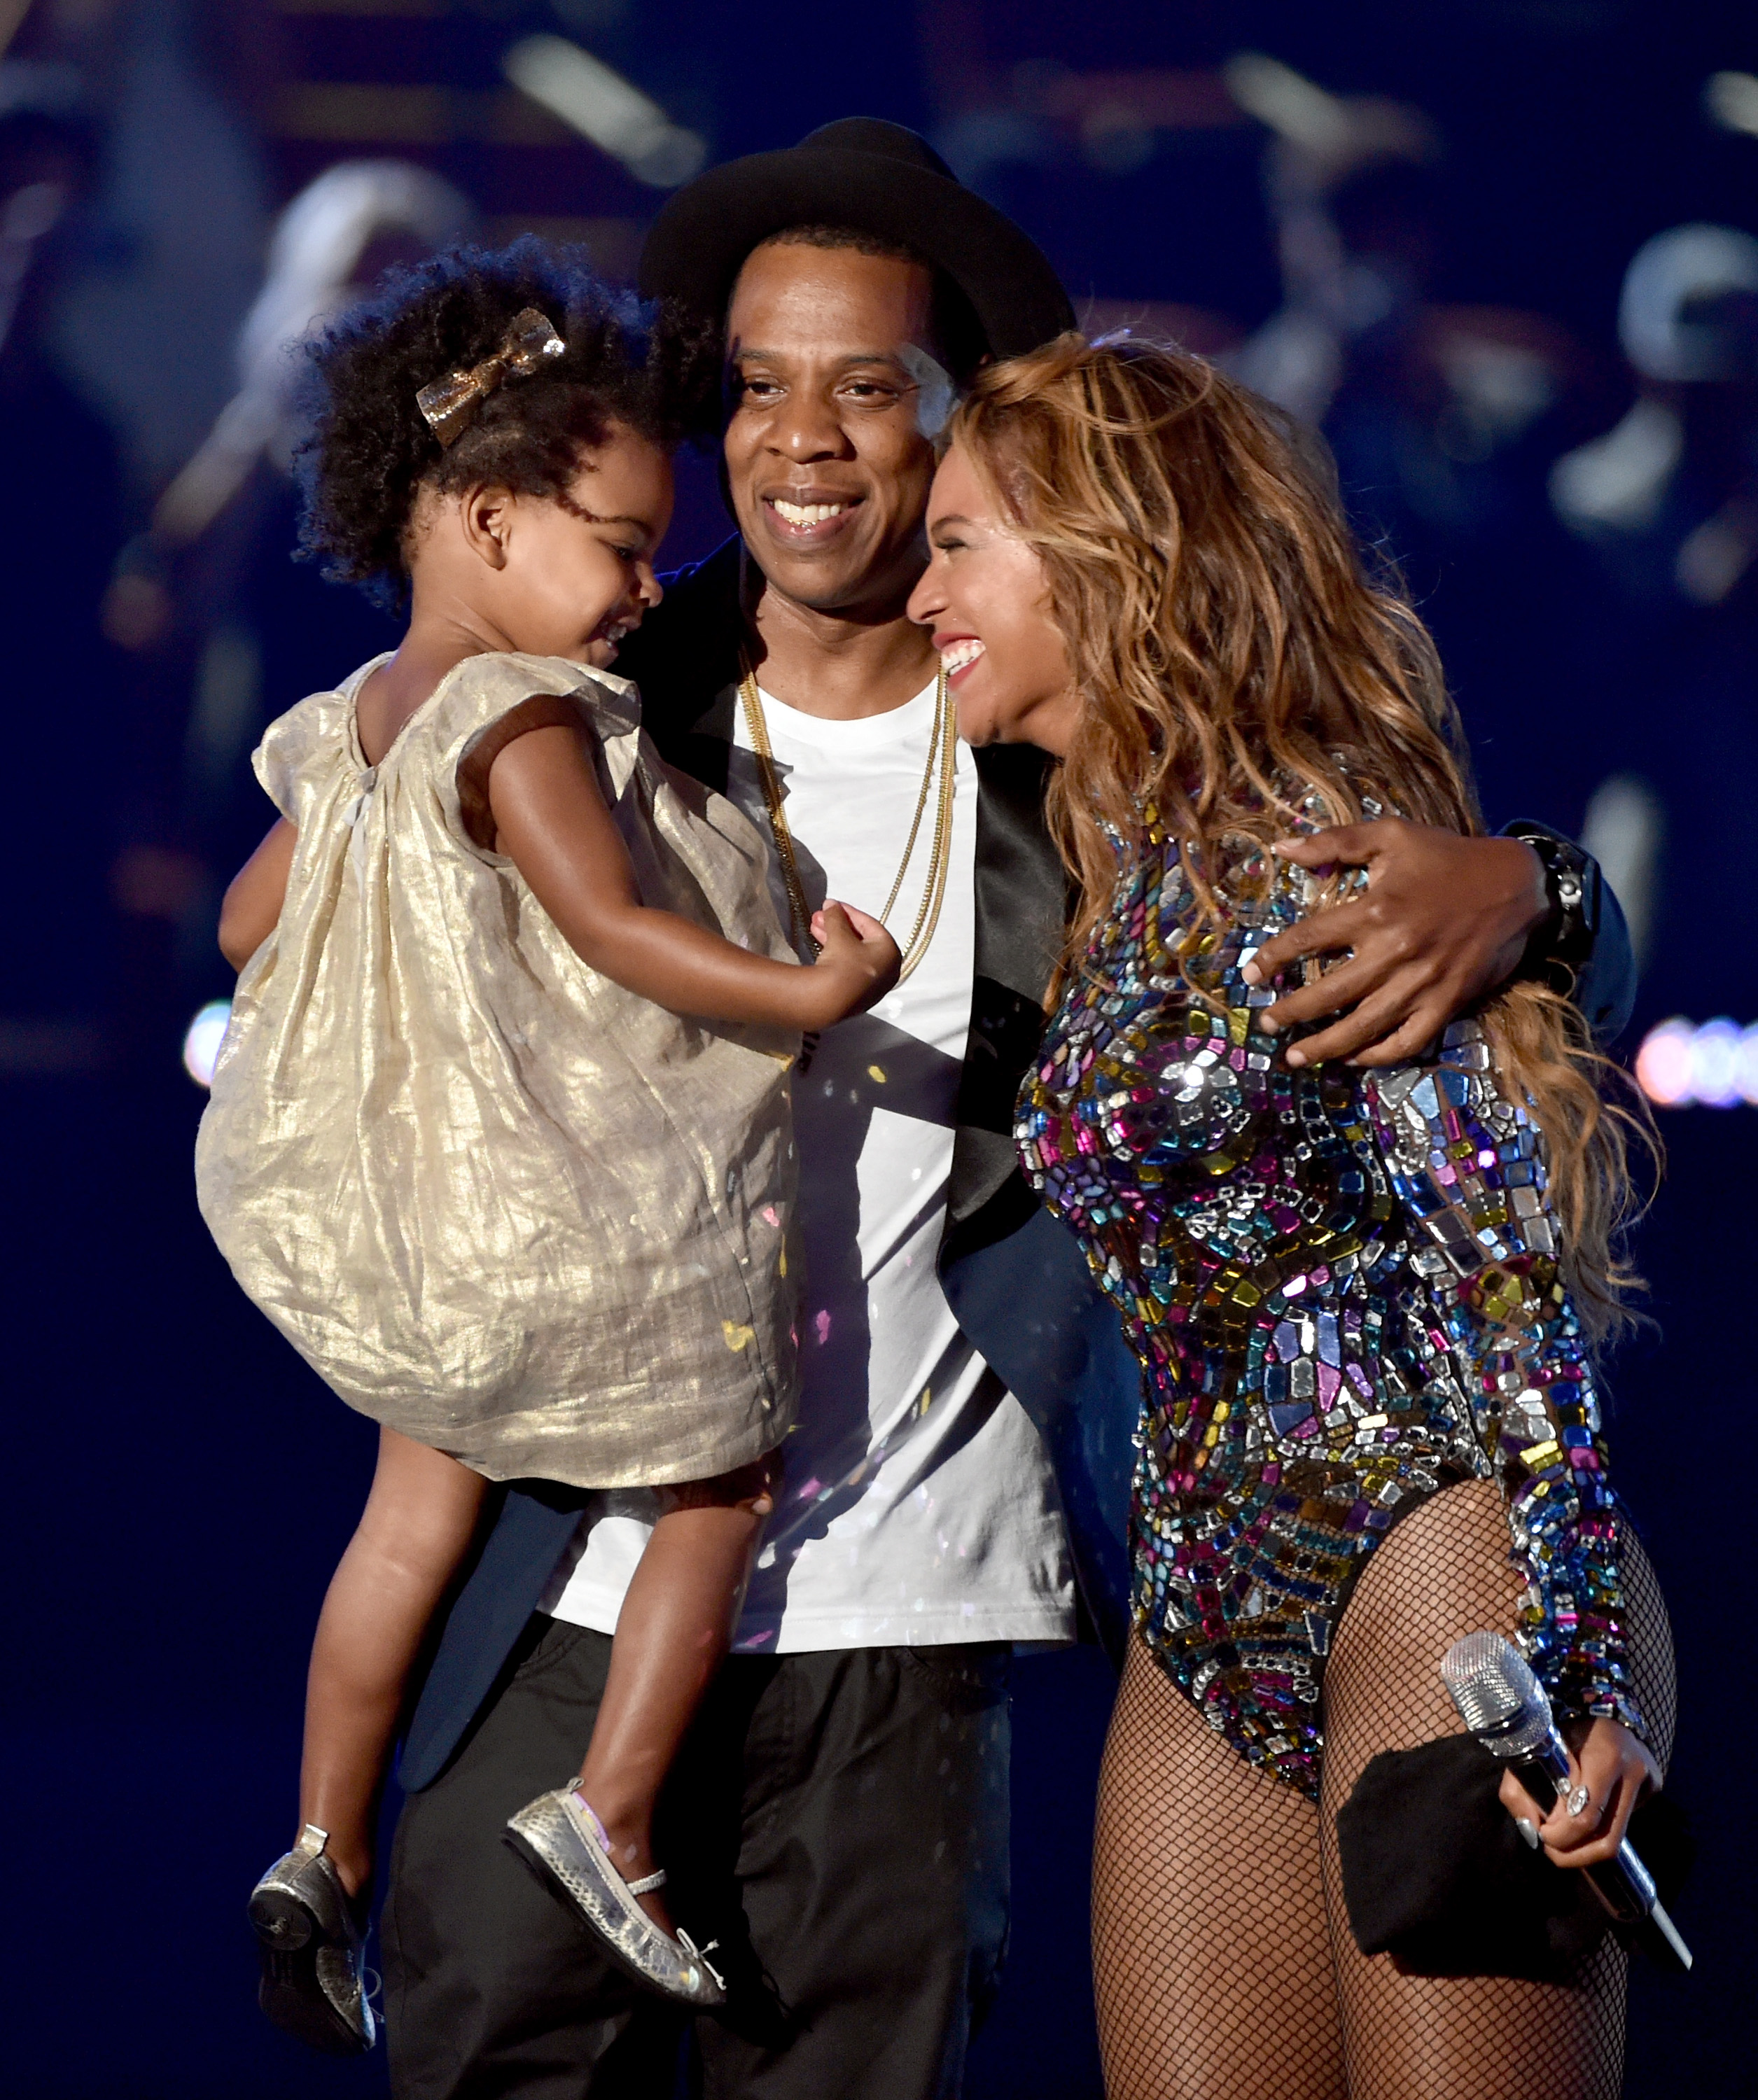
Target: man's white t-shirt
pixel 918 1507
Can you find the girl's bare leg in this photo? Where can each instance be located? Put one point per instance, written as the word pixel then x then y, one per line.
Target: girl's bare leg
pixel 675 1627
pixel 416 1528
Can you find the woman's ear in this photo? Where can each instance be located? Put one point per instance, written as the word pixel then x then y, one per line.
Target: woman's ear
pixel 485 518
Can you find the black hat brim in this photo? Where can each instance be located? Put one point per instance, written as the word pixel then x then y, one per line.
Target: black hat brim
pixel 700 239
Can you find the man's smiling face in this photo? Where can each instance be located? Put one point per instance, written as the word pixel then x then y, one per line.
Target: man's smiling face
pixel 833 373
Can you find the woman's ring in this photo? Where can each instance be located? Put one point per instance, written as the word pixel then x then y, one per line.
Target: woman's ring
pixel 1578 1800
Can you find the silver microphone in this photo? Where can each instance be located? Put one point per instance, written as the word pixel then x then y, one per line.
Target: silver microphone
pixel 1505 1707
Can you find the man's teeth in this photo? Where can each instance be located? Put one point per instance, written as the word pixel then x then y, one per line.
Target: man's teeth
pixel 806 514
pixel 959 654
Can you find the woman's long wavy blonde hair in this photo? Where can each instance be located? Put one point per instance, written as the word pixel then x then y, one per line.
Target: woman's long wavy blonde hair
pixel 1237 668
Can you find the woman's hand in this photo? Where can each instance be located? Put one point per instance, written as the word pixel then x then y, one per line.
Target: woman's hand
pixel 1606 1776
pixel 857 964
pixel 1443 920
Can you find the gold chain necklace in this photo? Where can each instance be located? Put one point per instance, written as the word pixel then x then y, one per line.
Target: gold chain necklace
pixel 942 755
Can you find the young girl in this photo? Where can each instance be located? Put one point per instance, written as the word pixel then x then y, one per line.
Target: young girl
pixel 499 1136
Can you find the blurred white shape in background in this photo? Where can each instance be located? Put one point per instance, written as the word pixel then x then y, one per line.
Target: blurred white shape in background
pixel 603 107
pixel 1731 100
pixel 1663 1064
pixel 321 240
pixel 1671 332
pixel 1714 1065
pixel 1622 832
pixel 1335 133
pixel 202 1041
pixel 1620 480
pixel 26 217
pixel 1320 139
pixel 1671 280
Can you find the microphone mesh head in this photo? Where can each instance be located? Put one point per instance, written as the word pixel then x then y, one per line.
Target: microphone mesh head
pixel 1497 1695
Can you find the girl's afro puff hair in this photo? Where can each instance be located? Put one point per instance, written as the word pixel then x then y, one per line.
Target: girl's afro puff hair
pixel 371 449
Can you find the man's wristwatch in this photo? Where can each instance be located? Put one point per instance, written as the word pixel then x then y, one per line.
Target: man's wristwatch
pixel 1565 936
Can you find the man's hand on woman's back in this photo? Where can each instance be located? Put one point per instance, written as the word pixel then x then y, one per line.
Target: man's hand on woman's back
pixel 1443 920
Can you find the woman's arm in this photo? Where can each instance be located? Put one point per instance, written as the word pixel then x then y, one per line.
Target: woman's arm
pixel 550 819
pixel 1469 1171
pixel 252 905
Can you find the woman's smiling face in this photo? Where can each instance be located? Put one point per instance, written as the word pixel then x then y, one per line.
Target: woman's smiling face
pixel 986 598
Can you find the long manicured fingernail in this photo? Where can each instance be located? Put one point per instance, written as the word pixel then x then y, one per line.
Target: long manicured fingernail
pixel 1528 1829
pixel 1251 973
pixel 1296 1058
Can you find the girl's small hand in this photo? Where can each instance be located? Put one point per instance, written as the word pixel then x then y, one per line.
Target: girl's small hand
pixel 858 960
pixel 1606 1776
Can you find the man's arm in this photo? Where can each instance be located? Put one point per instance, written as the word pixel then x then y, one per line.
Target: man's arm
pixel 1443 920
pixel 1584 942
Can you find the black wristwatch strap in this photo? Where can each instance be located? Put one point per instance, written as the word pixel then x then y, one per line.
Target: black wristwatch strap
pixel 1565 936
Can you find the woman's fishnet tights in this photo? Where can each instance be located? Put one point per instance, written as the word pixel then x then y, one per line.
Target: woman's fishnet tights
pixel 1223 1962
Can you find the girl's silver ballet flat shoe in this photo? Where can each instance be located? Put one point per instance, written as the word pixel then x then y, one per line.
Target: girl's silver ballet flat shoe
pixel 314 1970
pixel 563 1842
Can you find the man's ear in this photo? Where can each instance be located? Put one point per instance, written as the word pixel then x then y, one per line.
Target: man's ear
pixel 485 518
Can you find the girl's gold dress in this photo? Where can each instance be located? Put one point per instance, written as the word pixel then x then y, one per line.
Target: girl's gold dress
pixel 499 1203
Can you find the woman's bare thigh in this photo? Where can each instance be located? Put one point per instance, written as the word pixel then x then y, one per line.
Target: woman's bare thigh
pixel 1443 1572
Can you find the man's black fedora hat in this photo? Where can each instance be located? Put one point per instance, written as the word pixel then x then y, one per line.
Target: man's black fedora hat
pixel 876 178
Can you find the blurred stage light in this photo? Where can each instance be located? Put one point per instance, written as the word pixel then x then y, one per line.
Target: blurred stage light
pixel 1288 103
pixel 1623 829
pixel 603 107
pixel 1731 98
pixel 201 1044
pixel 1715 1066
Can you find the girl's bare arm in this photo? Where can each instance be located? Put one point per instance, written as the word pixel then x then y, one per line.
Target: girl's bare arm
pixel 252 905
pixel 550 819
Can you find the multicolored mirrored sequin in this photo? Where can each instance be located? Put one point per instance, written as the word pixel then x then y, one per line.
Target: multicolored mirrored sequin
pixel 1343 1288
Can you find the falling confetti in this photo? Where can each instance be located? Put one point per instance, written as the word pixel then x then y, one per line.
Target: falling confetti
pixel 876 1072
pixel 737 1337
pixel 769 1217
pixel 821 1322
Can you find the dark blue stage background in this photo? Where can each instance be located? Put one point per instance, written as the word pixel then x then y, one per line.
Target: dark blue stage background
pixel 180 1485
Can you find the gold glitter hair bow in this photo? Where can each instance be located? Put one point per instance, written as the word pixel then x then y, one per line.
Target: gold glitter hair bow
pixel 451 404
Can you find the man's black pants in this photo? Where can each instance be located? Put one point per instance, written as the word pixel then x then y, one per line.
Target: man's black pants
pixel 838 1821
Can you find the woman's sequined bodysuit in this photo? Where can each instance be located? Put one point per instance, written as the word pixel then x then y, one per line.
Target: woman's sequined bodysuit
pixel 1342 1287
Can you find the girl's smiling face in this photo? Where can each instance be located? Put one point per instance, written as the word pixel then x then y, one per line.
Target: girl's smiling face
pixel 565 576
pixel 985 597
